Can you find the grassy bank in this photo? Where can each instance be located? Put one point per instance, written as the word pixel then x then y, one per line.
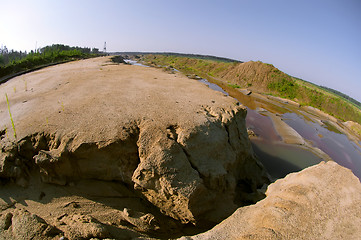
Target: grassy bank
pixel 49 55
pixel 263 78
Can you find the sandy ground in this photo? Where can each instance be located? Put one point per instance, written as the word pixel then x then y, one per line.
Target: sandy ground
pixel 49 99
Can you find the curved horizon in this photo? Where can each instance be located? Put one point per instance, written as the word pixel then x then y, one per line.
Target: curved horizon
pixel 314 41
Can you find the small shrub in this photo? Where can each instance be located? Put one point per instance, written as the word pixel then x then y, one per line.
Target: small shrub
pixel 234 86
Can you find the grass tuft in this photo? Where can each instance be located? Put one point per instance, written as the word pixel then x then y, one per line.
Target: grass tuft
pixel 62 106
pixel 25 85
pixel 234 86
pixel 11 118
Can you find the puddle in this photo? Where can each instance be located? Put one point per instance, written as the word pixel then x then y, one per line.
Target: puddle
pixel 246 100
pixel 330 127
pixel 336 145
pixel 133 62
pixel 281 159
pixel 262 126
pixel 213 86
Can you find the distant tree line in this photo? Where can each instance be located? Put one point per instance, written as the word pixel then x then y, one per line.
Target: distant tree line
pixel 196 56
pixel 7 56
pixel 61 47
pixel 342 95
pixel 13 62
pixel 10 56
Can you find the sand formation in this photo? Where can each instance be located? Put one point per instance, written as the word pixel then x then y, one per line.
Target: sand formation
pixel 118 151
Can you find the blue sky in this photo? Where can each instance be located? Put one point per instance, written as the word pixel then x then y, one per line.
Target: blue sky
pixel 318 41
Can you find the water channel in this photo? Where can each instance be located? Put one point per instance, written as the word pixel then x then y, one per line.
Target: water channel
pixel 280 158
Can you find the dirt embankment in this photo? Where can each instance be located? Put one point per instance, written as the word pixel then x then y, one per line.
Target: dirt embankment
pixel 252 75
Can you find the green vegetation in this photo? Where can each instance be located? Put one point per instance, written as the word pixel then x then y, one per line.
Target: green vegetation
pixel 13 62
pixel 118 59
pixel 356 129
pixel 170 54
pixel 350 99
pixel 331 127
pixel 312 95
pixel 11 118
pixel 233 86
pixel 25 85
pixel 264 78
pixel 62 106
pixel 191 65
pixel 285 88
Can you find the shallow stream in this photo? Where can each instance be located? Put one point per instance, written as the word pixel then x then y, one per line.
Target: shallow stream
pixel 280 158
pixel 334 143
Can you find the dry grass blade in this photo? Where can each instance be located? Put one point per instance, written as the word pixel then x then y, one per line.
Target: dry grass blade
pixel 11 118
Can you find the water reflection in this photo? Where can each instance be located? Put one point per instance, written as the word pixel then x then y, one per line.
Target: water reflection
pixel 336 145
pixel 133 62
pixel 281 159
pixel 262 126
pixel 213 86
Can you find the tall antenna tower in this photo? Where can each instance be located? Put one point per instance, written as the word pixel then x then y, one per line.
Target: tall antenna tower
pixel 105 48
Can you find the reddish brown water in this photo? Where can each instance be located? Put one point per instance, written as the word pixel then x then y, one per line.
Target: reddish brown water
pixel 336 145
pixel 262 126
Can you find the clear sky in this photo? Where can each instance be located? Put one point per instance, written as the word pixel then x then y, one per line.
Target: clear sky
pixel 316 40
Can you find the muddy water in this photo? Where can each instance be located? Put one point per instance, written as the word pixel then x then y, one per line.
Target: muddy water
pixel 279 158
pixel 213 86
pixel 335 144
pixel 262 126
